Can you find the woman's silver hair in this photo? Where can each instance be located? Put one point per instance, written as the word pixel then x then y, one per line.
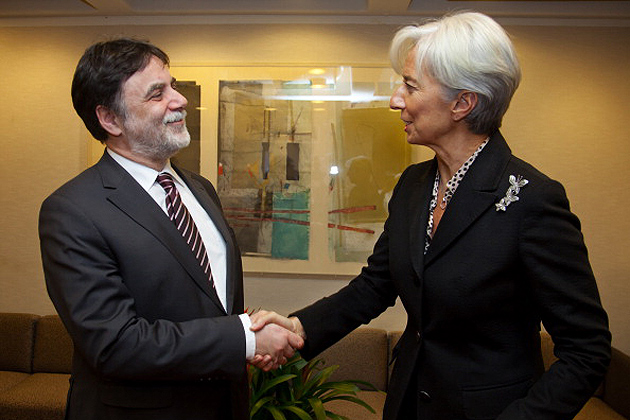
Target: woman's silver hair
pixel 464 51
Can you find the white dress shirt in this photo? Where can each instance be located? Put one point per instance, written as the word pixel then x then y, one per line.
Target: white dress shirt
pixel 212 238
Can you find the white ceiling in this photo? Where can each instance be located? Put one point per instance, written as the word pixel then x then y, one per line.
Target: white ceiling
pixel 615 10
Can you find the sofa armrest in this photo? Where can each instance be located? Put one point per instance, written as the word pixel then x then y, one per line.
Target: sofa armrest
pixel 361 355
pixel 617 383
pixel 53 346
pixel 16 346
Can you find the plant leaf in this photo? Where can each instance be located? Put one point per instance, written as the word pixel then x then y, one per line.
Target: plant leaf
pixel 335 416
pixel 259 404
pixel 298 391
pixel 318 408
pixel 367 385
pixel 277 414
pixel 352 399
pixel 346 387
pixel 298 412
pixel 319 378
pixel 297 361
pixel 274 382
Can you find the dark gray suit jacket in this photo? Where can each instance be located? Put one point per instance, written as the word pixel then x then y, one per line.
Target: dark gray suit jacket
pixel 476 300
pixel 152 340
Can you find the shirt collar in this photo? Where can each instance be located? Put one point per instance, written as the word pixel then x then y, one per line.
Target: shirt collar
pixel 453 183
pixel 144 175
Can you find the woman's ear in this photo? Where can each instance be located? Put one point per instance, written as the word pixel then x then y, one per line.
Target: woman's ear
pixel 109 120
pixel 465 103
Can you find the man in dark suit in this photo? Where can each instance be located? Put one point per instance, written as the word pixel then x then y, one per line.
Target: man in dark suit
pixel 154 306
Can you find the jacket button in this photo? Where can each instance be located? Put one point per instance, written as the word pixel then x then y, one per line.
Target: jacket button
pixel 424 396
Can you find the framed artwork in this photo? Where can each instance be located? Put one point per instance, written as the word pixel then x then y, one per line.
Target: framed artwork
pixel 304 160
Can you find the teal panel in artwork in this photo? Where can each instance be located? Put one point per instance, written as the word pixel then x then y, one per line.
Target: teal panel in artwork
pixel 290 233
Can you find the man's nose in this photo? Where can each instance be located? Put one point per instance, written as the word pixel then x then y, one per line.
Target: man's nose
pixel 178 101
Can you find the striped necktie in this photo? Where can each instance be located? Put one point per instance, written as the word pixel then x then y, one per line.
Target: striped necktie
pixel 178 213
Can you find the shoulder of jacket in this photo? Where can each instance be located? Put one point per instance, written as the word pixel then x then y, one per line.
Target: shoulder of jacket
pixel 519 167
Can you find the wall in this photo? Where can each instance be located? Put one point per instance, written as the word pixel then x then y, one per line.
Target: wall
pixel 568 119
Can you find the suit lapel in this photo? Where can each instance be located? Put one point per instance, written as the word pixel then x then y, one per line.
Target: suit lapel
pixel 134 201
pixel 419 204
pixel 474 196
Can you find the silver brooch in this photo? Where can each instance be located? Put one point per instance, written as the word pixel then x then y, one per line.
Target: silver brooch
pixel 516 183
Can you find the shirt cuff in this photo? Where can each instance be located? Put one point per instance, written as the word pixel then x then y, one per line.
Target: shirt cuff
pixel 250 337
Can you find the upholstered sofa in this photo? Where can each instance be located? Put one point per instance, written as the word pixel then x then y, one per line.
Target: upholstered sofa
pixel 362 355
pixel 36 355
pixel 35 360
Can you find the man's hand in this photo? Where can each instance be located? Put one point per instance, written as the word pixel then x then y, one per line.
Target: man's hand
pixel 274 345
pixel 262 318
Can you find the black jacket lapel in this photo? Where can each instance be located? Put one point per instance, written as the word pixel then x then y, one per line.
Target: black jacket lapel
pixel 475 195
pixel 130 198
pixel 419 204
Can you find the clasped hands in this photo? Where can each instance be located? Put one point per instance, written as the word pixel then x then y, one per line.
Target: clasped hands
pixel 277 338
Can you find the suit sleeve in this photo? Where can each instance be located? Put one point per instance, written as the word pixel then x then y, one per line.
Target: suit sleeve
pixel 91 297
pixel 363 299
pixel 556 263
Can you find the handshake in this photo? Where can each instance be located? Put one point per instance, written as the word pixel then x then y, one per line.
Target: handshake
pixel 277 338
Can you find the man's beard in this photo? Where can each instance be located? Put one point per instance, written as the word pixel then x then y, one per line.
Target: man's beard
pixel 157 142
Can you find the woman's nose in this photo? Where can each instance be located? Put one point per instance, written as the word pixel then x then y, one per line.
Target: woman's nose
pixel 396 101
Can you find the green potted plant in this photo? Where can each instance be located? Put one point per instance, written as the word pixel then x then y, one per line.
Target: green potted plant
pixel 298 391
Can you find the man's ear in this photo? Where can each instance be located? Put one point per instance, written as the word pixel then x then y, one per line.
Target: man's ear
pixel 109 120
pixel 466 101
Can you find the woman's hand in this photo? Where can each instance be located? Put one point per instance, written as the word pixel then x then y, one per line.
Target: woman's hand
pixel 262 318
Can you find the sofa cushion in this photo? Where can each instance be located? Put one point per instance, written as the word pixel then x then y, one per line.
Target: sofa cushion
pixel 361 355
pixel 617 383
pixel 596 409
pixel 16 346
pixel 53 346
pixel 41 396
pixel 9 378
pixel 353 411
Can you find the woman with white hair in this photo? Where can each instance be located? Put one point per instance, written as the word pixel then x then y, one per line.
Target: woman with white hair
pixel 480 247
